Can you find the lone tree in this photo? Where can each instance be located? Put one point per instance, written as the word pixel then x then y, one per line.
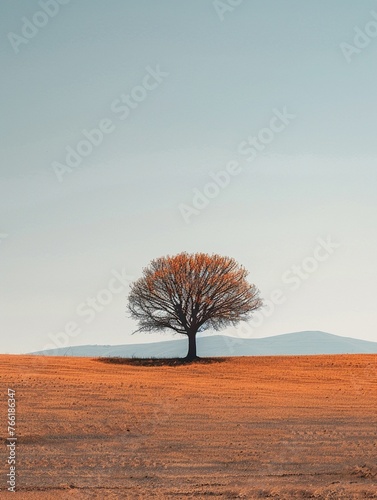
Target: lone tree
pixel 189 293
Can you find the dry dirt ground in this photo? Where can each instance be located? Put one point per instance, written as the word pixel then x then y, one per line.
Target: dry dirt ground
pixel 254 427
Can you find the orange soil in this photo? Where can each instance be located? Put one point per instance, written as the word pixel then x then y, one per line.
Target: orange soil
pixel 253 427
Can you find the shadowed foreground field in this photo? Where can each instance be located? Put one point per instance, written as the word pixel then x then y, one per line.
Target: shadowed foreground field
pixel 257 427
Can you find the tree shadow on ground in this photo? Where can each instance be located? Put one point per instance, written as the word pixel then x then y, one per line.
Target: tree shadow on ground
pixel 160 361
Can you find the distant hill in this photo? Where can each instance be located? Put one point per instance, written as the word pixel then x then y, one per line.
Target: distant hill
pixel 299 343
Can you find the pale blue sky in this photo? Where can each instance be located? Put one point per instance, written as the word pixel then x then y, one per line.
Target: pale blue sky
pixel 119 208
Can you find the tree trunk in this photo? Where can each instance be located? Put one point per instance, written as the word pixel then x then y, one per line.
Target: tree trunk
pixel 191 353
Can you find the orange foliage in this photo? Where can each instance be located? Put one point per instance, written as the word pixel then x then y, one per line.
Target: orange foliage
pixel 192 292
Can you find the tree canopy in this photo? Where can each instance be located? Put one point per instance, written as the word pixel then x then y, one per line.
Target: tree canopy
pixel 188 293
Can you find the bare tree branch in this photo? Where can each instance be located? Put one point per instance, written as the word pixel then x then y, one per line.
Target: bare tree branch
pixel 188 292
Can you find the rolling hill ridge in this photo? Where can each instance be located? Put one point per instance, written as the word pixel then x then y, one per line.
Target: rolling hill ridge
pixel 299 343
